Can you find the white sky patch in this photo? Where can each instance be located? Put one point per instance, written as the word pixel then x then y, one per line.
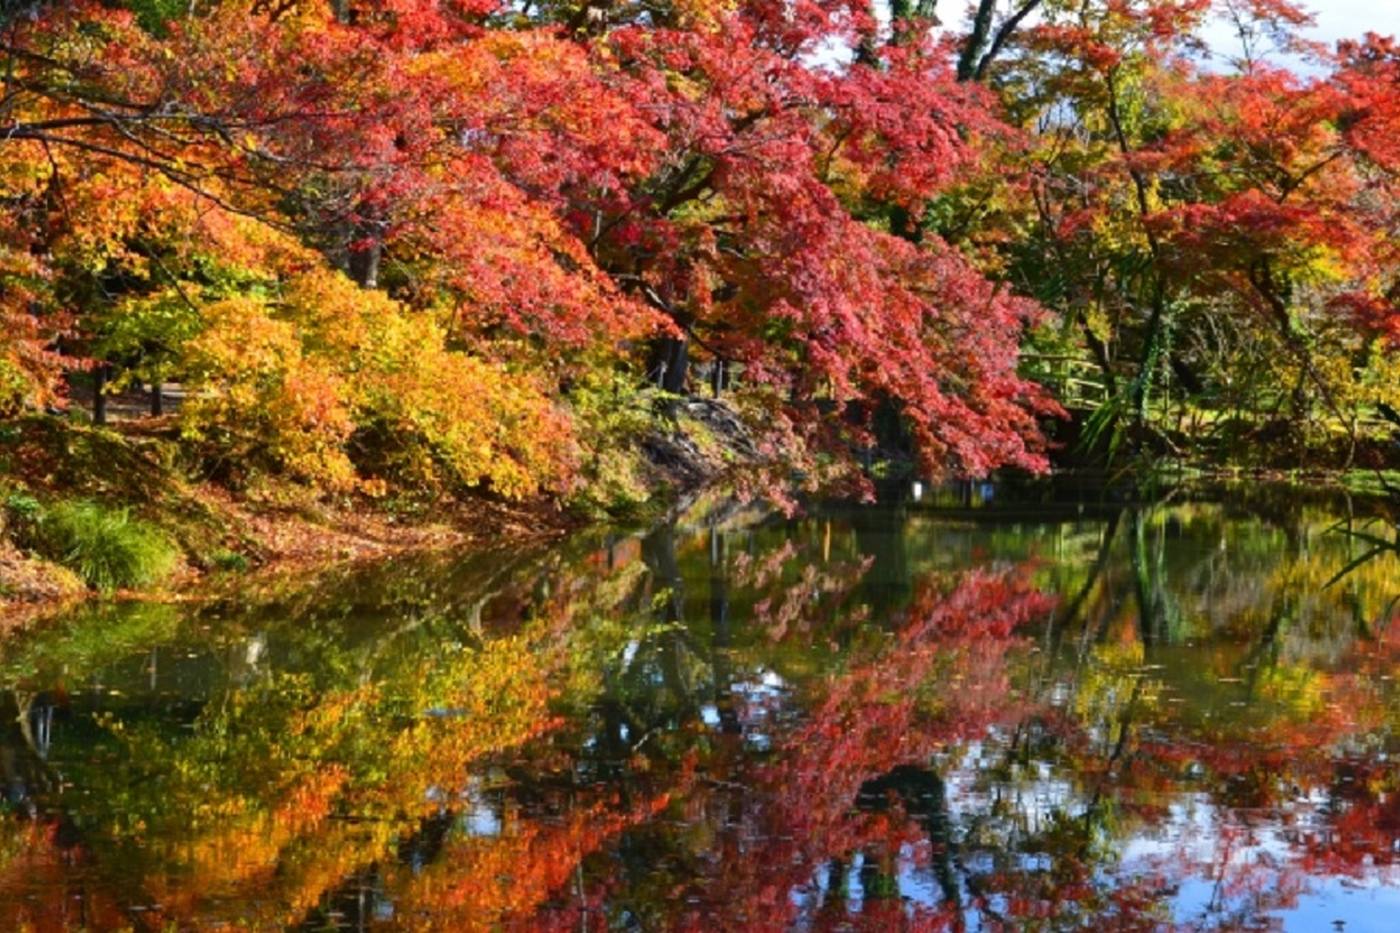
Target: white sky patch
pixel 1334 20
pixel 1349 19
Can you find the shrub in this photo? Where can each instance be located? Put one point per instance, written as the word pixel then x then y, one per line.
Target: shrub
pixel 22 507
pixel 229 561
pixel 14 388
pixel 614 417
pixel 19 512
pixel 261 400
pixel 106 547
pixel 297 384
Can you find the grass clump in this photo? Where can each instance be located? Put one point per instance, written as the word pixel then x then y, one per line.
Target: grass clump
pixel 105 546
pixel 228 561
pixel 21 508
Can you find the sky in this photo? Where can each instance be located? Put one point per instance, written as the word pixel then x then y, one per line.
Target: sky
pixel 1341 19
pixel 1335 19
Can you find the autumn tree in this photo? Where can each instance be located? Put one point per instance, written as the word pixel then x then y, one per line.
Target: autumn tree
pixel 1201 224
pixel 555 188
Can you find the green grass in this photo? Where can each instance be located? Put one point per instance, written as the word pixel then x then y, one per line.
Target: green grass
pixel 105 546
pixel 228 561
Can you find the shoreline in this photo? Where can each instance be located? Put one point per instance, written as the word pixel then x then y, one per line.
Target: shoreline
pixel 290 542
pixel 282 529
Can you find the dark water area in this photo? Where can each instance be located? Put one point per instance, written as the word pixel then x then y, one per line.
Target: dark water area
pixel 984 709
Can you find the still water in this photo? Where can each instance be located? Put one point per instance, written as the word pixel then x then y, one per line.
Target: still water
pixel 977 711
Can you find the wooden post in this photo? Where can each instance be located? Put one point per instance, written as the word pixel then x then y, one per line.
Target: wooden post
pixel 157 402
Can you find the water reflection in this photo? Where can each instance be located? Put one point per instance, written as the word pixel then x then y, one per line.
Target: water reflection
pixel 963 712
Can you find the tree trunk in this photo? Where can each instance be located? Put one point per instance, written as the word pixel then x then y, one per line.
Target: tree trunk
pixel 99 397
pixel 1153 346
pixel 903 225
pixel 364 262
pixel 672 362
pixel 1101 357
pixel 717 378
pixel 976 40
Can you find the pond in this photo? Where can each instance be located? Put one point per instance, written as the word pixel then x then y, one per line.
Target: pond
pixel 985 709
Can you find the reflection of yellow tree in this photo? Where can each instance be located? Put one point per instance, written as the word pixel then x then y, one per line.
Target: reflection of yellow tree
pixel 806 730
pixel 291 782
pixel 486 882
pixel 283 789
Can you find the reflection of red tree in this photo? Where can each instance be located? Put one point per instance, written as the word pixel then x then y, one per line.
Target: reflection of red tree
pixel 45 886
pixel 879 714
pixel 941 677
pixel 1357 833
pixel 1363 824
pixel 1283 800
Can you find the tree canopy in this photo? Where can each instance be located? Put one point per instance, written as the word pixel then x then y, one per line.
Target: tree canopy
pixel 427 243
